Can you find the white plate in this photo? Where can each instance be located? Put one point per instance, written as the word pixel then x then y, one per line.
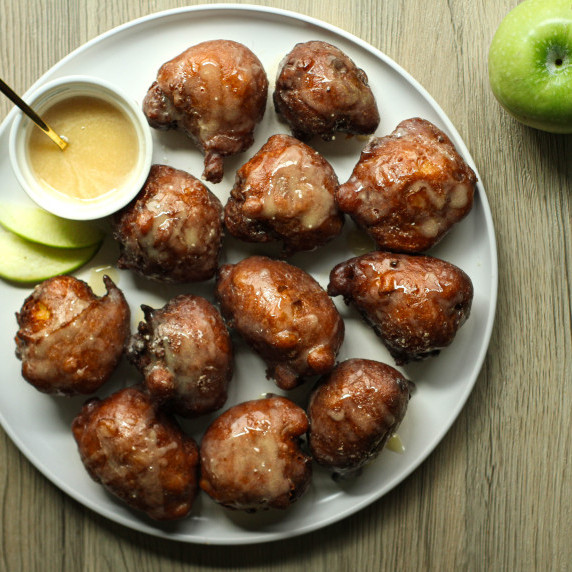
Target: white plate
pixel 129 56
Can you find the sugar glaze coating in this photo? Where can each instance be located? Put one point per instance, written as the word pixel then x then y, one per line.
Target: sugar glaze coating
pixel 172 230
pixel 285 193
pixel 138 454
pixel 415 304
pixel 409 188
pixel 320 91
pixel 69 340
pixel 216 93
pixel 284 315
pixel 251 457
pixel 185 354
pixel 353 411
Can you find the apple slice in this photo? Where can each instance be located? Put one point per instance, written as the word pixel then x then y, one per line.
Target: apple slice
pixel 38 225
pixel 24 261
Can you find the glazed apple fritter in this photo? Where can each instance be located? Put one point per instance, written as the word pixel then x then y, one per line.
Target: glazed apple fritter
pixel 251 457
pixel 69 340
pixel 284 315
pixel 216 93
pixel 409 188
pixel 415 304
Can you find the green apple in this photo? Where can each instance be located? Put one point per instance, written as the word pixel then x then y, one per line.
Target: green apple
pixel 37 225
pixel 27 262
pixel 530 64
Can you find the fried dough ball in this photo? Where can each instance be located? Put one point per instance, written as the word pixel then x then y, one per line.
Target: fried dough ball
pixel 251 457
pixel 320 91
pixel 172 230
pixel 215 92
pixel 284 315
pixel 353 411
pixel 185 354
pixel 138 454
pixel 69 340
pixel 415 304
pixel 285 193
pixel 408 189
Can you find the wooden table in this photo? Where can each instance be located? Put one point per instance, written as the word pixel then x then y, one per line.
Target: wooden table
pixel 496 493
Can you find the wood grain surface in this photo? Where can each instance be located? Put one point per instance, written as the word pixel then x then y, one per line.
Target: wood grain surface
pixel 497 492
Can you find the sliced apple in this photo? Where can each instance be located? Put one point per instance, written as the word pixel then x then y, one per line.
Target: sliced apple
pixel 38 225
pixel 25 262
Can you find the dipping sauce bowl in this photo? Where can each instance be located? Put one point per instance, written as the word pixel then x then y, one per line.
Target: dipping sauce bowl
pixel 108 157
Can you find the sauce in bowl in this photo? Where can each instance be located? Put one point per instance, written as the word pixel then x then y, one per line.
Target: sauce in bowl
pixel 102 152
pixel 107 160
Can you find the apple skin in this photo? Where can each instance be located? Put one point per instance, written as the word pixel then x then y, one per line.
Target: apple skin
pixel 530 64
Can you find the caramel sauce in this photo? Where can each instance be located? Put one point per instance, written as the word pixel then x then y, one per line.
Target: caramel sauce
pixel 102 152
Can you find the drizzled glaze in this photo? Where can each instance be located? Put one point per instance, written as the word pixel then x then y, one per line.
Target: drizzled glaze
pixel 184 351
pixel 354 411
pixel 285 193
pixel 250 455
pixel 70 341
pixel 320 90
pixel 295 189
pixel 409 188
pixel 416 304
pixel 284 314
pixel 172 232
pixel 138 454
pixel 215 92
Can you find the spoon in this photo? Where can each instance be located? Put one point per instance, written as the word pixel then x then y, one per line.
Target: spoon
pixel 17 100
